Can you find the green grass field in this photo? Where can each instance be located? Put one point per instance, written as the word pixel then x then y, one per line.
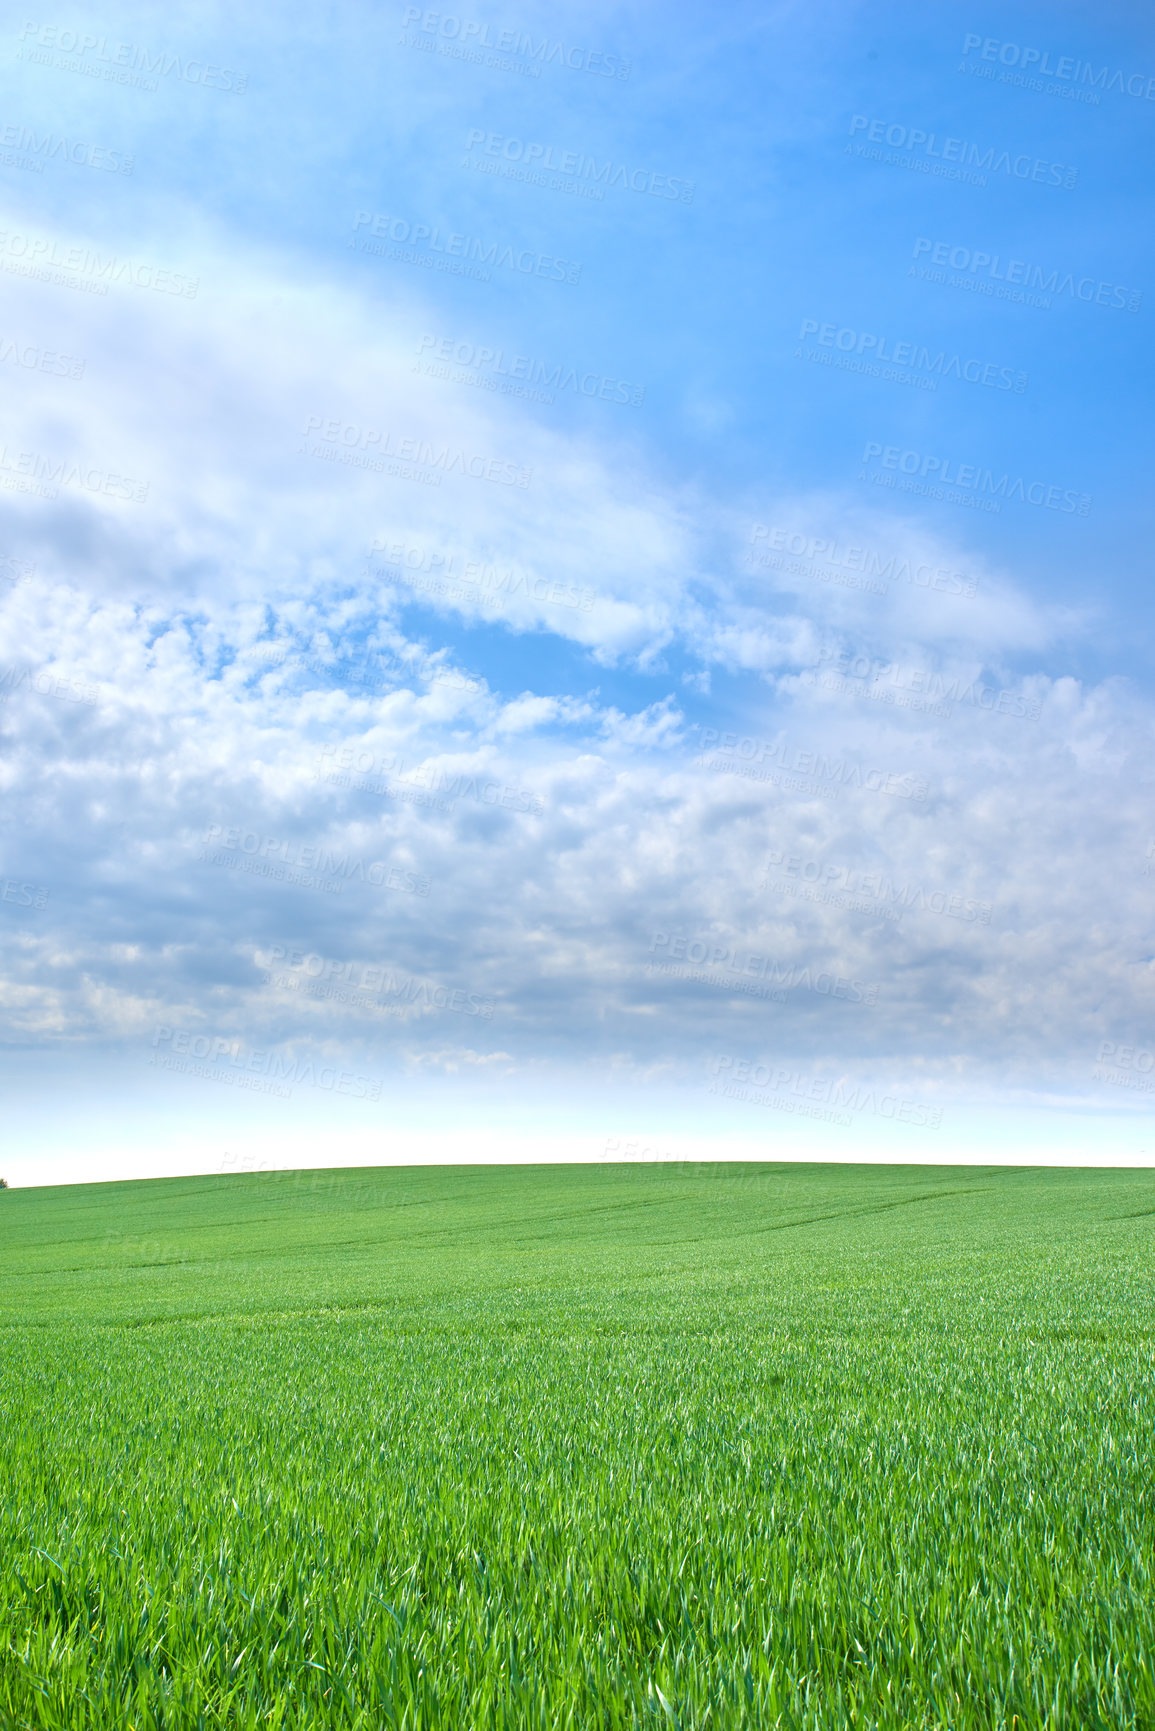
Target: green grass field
pixel 580 1446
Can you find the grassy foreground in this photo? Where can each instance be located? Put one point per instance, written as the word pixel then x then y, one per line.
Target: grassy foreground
pixel 582 1446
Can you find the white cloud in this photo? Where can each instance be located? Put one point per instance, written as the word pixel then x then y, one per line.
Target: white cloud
pixel 252 674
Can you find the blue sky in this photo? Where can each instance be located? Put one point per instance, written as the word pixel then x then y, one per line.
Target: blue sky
pixel 617 536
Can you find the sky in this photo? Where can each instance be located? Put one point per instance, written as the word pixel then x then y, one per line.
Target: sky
pixel 575 584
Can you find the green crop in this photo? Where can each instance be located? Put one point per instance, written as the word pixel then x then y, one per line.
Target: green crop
pixel 606 1447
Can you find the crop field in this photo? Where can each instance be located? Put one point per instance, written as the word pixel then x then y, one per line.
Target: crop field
pixel 616 1446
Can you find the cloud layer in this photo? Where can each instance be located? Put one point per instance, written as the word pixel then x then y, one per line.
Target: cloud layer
pixel 365 709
